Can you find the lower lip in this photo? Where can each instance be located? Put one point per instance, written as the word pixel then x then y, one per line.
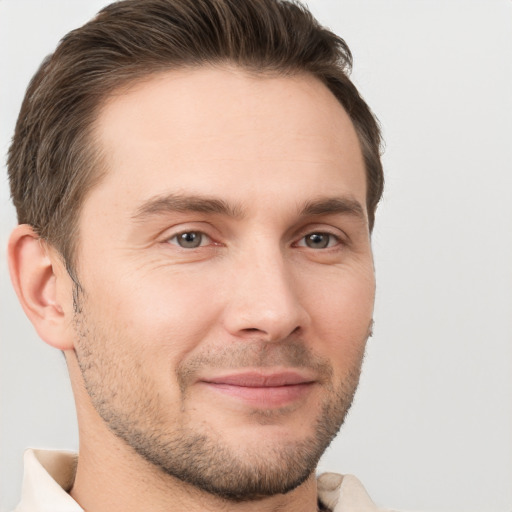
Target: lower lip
pixel 267 397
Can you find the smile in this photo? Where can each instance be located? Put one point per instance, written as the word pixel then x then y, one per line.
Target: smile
pixel 263 390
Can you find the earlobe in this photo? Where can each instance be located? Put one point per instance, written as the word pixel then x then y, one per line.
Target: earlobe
pixel 39 278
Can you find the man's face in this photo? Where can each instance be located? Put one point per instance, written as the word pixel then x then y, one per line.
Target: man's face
pixel 227 276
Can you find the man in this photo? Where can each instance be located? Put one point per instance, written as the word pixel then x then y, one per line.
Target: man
pixel 196 184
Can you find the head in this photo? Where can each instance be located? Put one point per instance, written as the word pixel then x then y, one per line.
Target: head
pixel 202 178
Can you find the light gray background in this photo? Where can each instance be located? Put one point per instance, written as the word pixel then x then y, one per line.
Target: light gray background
pixel 431 429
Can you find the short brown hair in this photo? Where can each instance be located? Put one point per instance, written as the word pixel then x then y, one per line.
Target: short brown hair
pixel 53 160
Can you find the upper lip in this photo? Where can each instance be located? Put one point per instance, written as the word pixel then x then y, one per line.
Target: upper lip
pixel 256 379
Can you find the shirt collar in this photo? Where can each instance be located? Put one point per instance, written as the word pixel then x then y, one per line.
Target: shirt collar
pixel 47 478
pixel 344 493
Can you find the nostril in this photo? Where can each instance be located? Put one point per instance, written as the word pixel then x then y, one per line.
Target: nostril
pixel 255 330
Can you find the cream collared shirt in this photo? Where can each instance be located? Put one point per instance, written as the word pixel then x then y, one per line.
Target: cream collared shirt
pixel 49 475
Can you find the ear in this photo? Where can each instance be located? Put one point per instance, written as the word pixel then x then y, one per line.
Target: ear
pixel 43 286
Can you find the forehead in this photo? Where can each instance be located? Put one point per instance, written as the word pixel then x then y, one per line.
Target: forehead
pixel 226 131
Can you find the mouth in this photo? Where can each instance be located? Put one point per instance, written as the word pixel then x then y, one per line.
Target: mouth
pixel 261 389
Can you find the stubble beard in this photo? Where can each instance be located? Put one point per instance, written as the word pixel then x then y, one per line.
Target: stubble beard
pixel 199 456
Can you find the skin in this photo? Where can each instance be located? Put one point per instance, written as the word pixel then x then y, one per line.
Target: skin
pixel 253 166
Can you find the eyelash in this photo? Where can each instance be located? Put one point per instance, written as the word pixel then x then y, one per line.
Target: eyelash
pixel 331 238
pixel 175 239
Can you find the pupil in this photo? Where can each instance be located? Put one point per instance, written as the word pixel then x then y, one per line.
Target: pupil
pixel 191 239
pixel 318 240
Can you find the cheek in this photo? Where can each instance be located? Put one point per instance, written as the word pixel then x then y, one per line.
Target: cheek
pixel 137 331
pixel 342 313
pixel 170 310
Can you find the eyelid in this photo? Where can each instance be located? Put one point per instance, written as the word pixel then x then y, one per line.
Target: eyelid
pixel 185 226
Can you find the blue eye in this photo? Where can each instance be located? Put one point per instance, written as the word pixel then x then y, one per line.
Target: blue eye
pixel 319 240
pixel 189 239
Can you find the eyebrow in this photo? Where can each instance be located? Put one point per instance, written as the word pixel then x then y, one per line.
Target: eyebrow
pixel 333 205
pixel 172 203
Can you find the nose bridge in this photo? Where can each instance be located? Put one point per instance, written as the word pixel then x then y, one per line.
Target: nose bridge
pixel 264 298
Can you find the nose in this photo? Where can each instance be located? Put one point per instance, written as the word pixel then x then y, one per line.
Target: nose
pixel 263 300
